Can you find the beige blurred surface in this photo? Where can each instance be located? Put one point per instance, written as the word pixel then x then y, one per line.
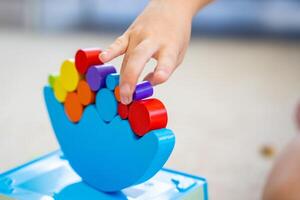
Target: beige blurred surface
pixel 227 99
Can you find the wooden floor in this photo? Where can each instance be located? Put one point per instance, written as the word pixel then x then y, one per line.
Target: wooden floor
pixel 227 99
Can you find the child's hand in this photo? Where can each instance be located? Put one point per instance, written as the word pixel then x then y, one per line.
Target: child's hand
pixel 162 32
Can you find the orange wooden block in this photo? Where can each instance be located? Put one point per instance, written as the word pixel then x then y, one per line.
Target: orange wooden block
pixel 85 95
pixel 73 108
pixel 117 94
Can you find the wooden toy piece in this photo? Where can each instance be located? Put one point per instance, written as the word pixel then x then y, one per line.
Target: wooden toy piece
pixel 106 104
pixel 112 81
pixel 85 58
pixel 117 94
pixel 96 76
pixel 143 90
pixel 73 107
pixel 59 92
pixel 146 115
pixel 108 156
pixel 69 75
pixel 85 95
pixel 123 110
pixel 51 80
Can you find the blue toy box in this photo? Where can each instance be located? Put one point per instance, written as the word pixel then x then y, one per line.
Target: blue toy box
pixel 51 177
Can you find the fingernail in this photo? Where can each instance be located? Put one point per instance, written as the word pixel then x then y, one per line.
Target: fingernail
pixel 125 100
pixel 125 94
pixel 103 56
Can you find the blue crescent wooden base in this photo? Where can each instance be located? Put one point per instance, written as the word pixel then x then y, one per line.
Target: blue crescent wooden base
pixel 108 156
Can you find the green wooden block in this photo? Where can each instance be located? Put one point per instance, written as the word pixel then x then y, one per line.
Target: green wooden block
pixel 51 80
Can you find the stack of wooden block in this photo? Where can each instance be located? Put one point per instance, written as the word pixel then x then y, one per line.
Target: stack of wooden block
pixel 86 81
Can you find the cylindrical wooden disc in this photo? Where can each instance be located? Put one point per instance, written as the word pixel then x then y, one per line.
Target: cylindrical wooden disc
pixel 123 110
pixel 73 107
pixel 69 75
pixel 85 58
pixel 117 94
pixel 59 92
pixel 146 115
pixel 85 95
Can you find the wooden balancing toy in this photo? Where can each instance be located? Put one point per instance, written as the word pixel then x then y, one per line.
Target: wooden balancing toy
pixel 110 145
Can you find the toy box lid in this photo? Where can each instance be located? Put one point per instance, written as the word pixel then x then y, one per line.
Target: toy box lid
pixel 51 177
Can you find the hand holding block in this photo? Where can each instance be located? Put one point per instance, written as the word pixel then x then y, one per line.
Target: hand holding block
pixel 85 58
pixel 109 157
pixel 143 90
pixel 146 115
pixel 96 76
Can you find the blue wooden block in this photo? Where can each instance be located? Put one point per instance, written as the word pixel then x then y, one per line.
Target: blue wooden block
pixel 108 156
pixel 106 104
pixel 112 80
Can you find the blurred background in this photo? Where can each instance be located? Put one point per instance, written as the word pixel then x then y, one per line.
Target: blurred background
pixel 231 103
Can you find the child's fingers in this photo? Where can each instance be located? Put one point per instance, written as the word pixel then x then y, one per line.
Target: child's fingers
pixel 166 64
pixel 117 48
pixel 133 66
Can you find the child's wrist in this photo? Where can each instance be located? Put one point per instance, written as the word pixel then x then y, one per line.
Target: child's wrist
pixel 188 7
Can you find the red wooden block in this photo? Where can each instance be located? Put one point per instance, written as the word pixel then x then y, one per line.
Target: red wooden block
pixel 146 115
pixel 85 58
pixel 123 110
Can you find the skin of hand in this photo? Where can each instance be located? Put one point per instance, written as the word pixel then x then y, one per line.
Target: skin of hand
pixel 162 31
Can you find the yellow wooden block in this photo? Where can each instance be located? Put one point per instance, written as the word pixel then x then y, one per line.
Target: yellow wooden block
pixel 59 92
pixel 69 75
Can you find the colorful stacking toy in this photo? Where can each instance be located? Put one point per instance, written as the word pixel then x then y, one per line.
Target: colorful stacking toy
pixel 110 145
pixel 108 150
pixel 87 80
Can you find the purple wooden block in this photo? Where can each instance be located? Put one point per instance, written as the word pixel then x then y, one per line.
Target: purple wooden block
pixel 143 90
pixel 96 76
